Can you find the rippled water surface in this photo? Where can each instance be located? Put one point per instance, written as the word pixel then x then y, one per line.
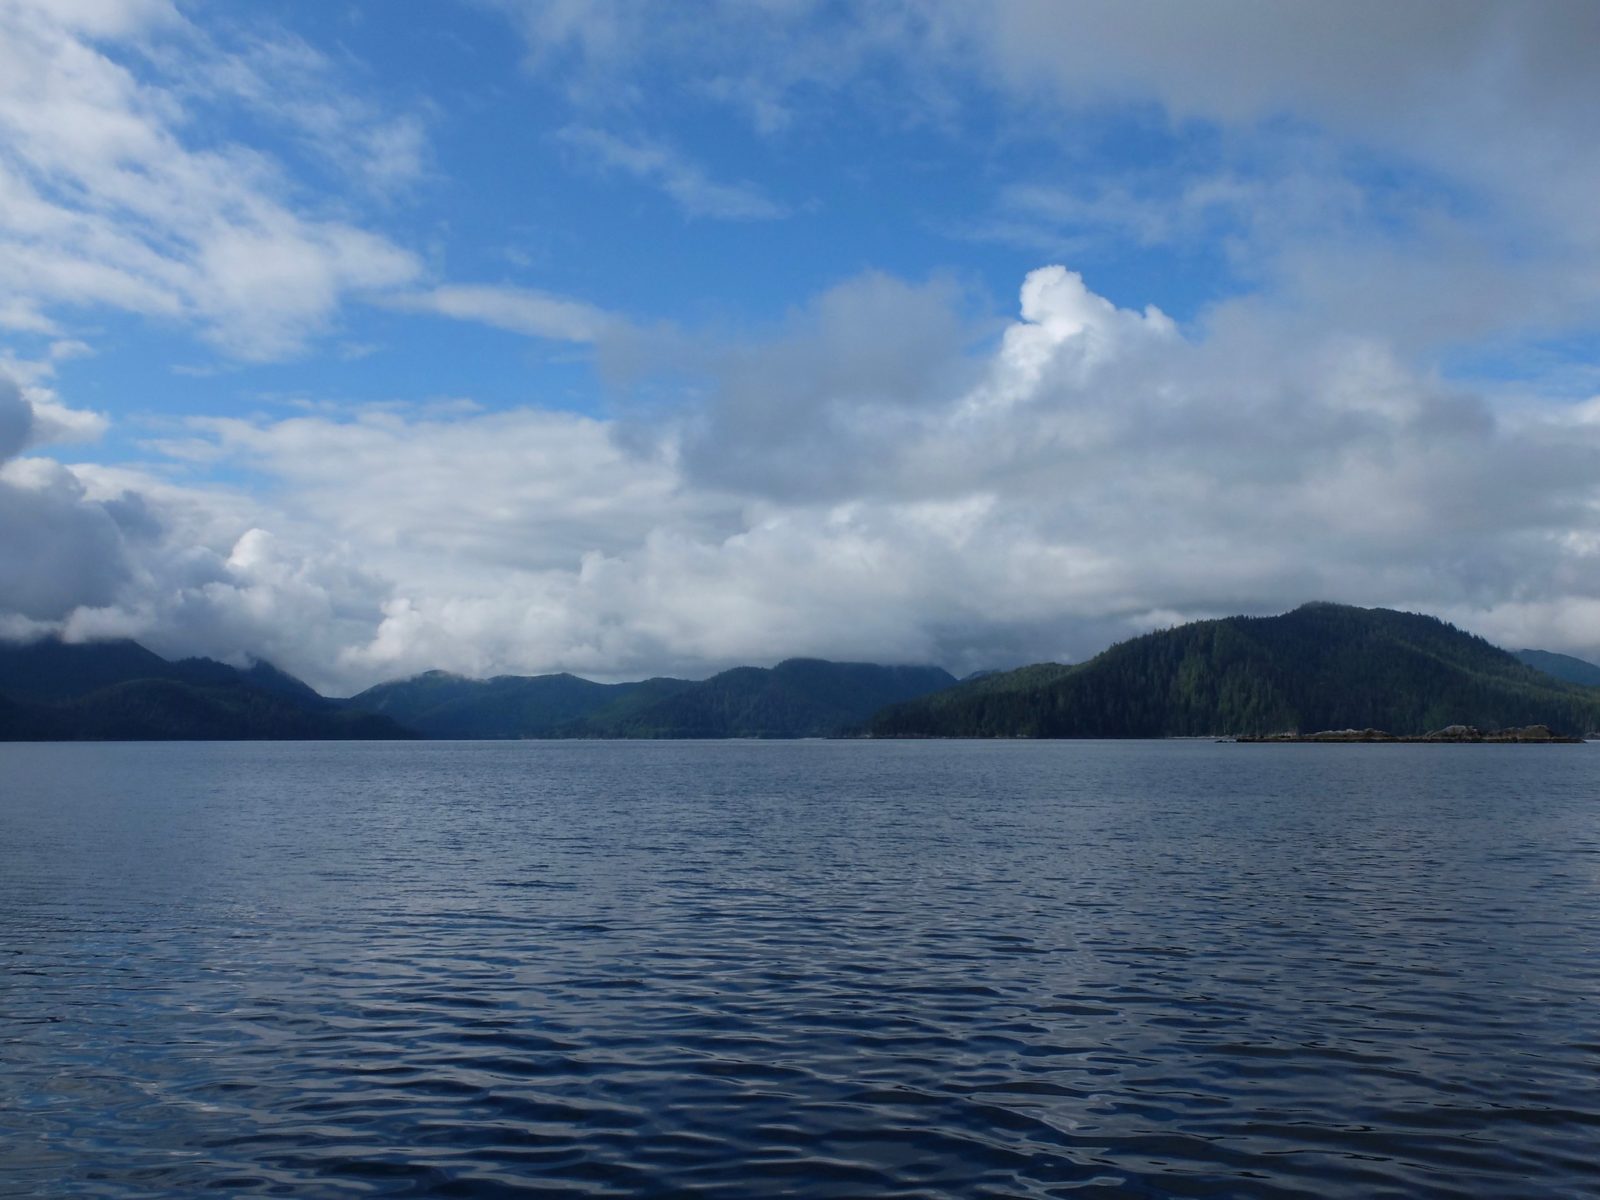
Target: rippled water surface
pixel 815 969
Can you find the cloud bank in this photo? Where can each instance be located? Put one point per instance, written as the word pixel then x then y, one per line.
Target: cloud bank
pixel 893 471
pixel 1095 471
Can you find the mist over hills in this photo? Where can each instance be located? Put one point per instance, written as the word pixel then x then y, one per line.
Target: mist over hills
pixel 1322 666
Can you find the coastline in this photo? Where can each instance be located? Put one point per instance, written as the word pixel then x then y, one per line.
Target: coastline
pixel 1453 735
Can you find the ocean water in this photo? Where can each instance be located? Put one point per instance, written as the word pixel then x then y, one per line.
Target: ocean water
pixel 843 969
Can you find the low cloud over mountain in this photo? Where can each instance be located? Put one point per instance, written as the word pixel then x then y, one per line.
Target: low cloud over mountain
pixel 1079 325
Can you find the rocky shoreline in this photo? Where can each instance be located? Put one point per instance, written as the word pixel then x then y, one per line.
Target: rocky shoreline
pixel 1452 734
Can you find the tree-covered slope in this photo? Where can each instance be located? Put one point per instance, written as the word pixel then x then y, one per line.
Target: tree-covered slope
pixel 441 705
pixel 164 709
pixel 627 703
pixel 50 670
pixel 1562 666
pixel 801 697
pixel 118 690
pixel 797 698
pixel 1322 666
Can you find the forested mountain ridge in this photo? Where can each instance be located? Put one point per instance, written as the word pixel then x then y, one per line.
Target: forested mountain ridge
pixel 1322 666
pixel 441 705
pixel 799 697
pixel 118 690
pixel 52 690
pixel 1562 666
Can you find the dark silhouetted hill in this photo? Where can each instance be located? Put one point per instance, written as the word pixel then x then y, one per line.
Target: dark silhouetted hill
pixel 441 705
pixel 119 690
pixel 798 698
pixel 1562 666
pixel 801 697
pixel 1322 666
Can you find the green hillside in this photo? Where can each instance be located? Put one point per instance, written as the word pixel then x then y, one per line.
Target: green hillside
pixel 1322 666
pixel 802 697
pixel 1562 666
pixel 118 690
pixel 441 705
pixel 50 670
pixel 798 698
pixel 163 710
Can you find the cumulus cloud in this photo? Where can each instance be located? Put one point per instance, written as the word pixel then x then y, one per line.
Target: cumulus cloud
pixel 57 550
pixel 819 409
pixel 392 542
pixel 1439 146
pixel 16 420
pixel 93 552
pixel 927 487
pixel 893 472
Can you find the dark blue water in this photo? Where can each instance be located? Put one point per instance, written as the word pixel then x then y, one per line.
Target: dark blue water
pixel 812 969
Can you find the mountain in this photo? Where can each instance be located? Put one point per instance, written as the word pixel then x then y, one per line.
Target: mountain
pixel 803 697
pixel 51 690
pixel 441 705
pixel 50 670
pixel 800 697
pixel 1322 666
pixel 118 690
pixel 1562 666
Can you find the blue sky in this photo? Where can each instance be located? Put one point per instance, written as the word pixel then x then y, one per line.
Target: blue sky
pixel 672 208
pixel 624 337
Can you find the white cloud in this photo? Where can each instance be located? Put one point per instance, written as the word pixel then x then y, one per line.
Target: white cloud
pixel 686 183
pixel 517 309
pixel 889 474
pixel 822 408
pixel 16 420
pixel 1091 472
pixel 101 18
pixel 1440 147
pixel 107 199
pixel 766 60
pixel 57 549
pixel 50 421
pixel 284 79
pixel 54 423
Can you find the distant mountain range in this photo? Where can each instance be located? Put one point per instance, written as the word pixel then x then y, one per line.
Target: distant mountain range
pixel 1562 666
pixel 1322 666
pixel 440 705
pixel 802 697
pixel 118 690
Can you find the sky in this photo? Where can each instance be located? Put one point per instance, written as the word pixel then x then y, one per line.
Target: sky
pixel 636 337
